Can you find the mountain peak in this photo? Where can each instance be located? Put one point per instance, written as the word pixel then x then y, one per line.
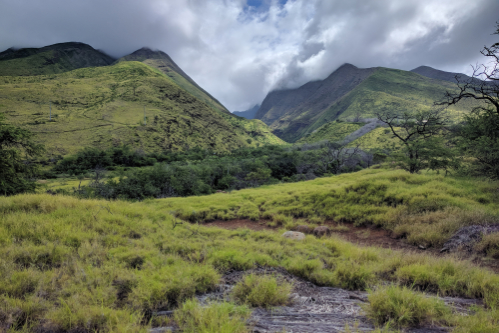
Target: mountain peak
pixel 437 74
pixel 348 65
pixel 55 58
pixel 147 53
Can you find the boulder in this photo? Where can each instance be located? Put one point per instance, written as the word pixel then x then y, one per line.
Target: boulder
pixel 321 231
pixel 466 237
pixel 306 229
pixel 295 235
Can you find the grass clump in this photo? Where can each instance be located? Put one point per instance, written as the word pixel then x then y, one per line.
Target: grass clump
pixel 479 322
pixel 489 245
pixel 193 317
pixel 262 291
pixel 402 307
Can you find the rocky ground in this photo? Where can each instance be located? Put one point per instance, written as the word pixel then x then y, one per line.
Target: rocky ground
pixel 313 308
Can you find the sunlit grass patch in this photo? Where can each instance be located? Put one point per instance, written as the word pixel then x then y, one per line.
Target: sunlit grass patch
pixel 193 317
pixel 262 291
pixel 402 307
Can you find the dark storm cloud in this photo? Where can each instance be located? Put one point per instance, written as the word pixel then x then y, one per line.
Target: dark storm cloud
pixel 238 51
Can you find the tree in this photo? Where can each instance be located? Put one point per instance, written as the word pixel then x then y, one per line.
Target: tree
pixel 479 133
pixel 337 156
pixel 421 133
pixel 17 151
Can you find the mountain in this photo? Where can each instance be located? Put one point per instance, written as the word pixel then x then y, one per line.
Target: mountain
pixel 52 59
pixel 349 93
pixel 128 102
pixel 248 114
pixel 289 112
pixel 163 62
pixel 437 74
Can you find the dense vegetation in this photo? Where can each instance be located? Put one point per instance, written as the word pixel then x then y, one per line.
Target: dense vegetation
pixel 17 153
pixel 199 171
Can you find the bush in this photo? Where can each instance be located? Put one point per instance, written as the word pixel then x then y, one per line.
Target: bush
pixel 262 291
pixel 401 307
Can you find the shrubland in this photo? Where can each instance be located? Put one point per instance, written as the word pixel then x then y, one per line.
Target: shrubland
pixel 198 171
pixel 100 265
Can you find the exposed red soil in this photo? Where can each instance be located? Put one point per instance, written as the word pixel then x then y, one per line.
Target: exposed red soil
pixel 365 236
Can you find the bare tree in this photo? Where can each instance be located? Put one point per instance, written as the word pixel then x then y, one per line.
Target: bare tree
pixel 419 133
pixel 337 156
pixel 478 135
pixel 483 84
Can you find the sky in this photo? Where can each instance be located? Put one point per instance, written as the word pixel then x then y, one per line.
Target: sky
pixel 239 50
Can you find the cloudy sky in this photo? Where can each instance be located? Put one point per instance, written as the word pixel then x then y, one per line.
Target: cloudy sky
pixel 239 50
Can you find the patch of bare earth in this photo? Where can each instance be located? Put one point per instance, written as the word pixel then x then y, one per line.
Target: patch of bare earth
pixel 364 236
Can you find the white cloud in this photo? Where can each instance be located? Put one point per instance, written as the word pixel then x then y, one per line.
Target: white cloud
pixel 239 53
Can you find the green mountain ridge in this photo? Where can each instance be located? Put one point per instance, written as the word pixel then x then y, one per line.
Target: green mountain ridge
pixel 128 102
pixel 163 62
pixel 349 93
pixel 52 59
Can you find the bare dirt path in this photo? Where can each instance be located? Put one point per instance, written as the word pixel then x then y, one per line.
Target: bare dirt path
pixel 367 236
pixel 364 236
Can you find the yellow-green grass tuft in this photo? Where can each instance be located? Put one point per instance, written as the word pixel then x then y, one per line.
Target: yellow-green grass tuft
pixel 262 291
pixel 401 307
pixel 193 317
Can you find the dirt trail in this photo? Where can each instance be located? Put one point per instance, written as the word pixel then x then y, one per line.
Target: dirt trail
pixel 365 236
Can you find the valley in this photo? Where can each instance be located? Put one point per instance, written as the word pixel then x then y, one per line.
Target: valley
pixel 148 206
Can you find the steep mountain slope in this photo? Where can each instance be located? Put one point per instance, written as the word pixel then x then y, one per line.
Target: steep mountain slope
pixel 52 59
pixel 104 106
pixel 290 112
pixel 348 93
pixel 248 114
pixel 163 62
pixel 437 74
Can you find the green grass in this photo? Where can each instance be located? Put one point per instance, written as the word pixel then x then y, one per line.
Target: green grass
pixel 332 131
pixel 402 307
pixel 214 318
pixel 379 138
pixel 104 106
pixel 423 207
pixel 67 263
pixel 262 291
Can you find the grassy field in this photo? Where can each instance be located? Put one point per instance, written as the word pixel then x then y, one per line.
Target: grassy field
pixel 104 106
pixel 426 207
pixel 105 266
pixel 379 138
pixel 332 131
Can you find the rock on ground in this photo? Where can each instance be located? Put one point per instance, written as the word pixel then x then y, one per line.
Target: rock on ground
pixel 294 235
pixel 466 237
pixel 313 308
